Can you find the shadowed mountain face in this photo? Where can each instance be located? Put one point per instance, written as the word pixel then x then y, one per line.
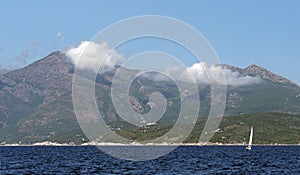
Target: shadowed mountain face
pixel 23 91
pixel 36 101
pixel 36 97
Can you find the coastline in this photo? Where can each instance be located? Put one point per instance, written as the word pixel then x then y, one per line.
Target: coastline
pixel 138 144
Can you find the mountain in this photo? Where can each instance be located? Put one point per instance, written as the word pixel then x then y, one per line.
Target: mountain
pixel 274 94
pixel 36 101
pixel 257 71
pixel 28 94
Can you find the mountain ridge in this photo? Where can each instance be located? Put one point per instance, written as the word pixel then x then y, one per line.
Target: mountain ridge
pixel 36 101
pixel 261 72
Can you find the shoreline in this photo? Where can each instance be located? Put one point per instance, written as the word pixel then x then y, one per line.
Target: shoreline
pixel 138 144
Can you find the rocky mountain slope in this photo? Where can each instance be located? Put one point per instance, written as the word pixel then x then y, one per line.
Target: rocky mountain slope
pixel 257 71
pixel 36 101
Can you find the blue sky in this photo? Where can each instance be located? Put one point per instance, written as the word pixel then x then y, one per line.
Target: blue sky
pixel 266 33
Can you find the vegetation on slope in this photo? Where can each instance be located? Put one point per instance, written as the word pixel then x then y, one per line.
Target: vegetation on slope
pixel 269 128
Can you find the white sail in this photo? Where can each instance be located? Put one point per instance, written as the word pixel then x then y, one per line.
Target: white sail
pixel 250 139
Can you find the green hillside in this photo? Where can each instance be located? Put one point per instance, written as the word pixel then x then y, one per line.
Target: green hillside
pixel 263 97
pixel 269 128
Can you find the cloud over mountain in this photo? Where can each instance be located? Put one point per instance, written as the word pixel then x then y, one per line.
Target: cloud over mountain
pixel 204 74
pixel 91 54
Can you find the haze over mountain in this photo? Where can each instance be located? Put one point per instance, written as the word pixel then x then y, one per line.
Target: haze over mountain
pixel 36 101
pixel 3 71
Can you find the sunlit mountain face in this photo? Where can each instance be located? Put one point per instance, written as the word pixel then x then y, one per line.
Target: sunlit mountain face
pixel 36 101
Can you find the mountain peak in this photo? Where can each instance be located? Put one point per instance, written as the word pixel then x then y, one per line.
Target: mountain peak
pixel 255 68
pixel 51 70
pixel 232 68
pixel 258 71
pixel 57 53
pixel 54 56
pixel 261 72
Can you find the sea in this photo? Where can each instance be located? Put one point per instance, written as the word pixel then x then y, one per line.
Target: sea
pixel 183 160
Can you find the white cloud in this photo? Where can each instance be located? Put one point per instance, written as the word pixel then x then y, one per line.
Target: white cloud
pixel 91 53
pixel 203 74
pixel 156 76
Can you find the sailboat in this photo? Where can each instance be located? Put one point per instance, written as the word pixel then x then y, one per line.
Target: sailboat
pixel 250 139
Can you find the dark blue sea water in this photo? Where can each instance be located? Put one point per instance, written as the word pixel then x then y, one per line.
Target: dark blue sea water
pixel 183 160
